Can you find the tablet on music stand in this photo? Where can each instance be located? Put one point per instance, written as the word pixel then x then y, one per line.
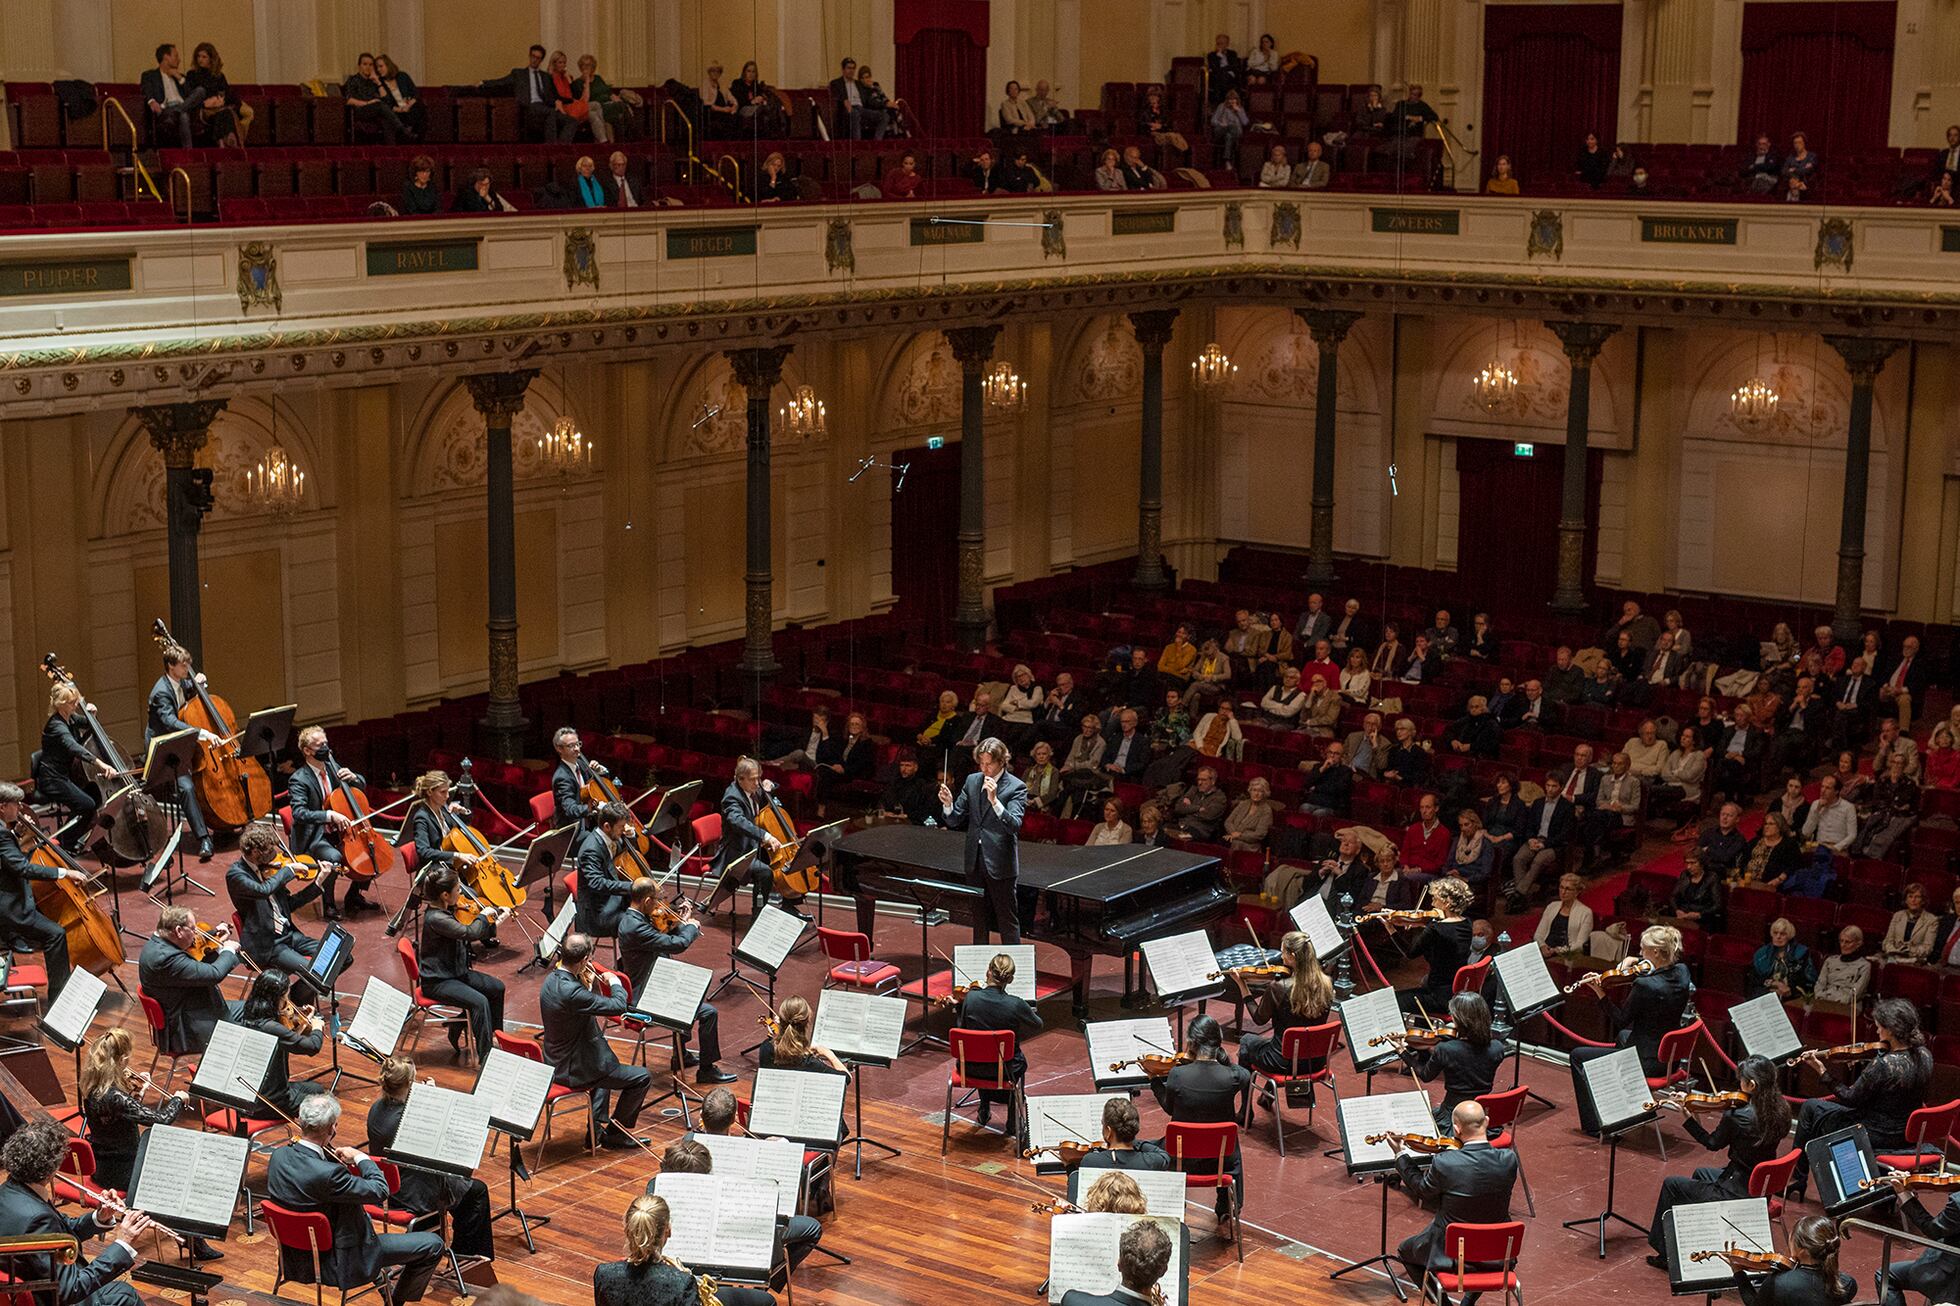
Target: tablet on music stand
pixel 1839 1163
pixel 336 953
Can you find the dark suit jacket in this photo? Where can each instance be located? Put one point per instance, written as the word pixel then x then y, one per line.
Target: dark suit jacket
pixel 22 1211
pixel 1865 697
pixel 1753 745
pixel 1672 664
pixel 1469 1185
pixel 527 94
pixel 1944 1227
pixel 63 744
pixel 301 1179
pixel 565 785
pixel 1077 1297
pixel 859 758
pixel 1549 712
pixel 640 944
pixel 309 802
pixel 1802 1286
pixel 1135 760
pixel 635 181
pixel 255 900
pixel 840 108
pixel 1918 675
pixel 16 898
pixel 163 718
pixel 1652 1010
pixel 1143 1155
pixel 992 1008
pixel 1331 787
pixel 602 894
pixel 187 990
pixel 992 838
pixel 446 941
pixel 739 832
pixel 621 1283
pixel 573 1041
pixel 278 1072
pixel 422 1191
pixel 1480 732
pixel 1313 626
pixel 1561 827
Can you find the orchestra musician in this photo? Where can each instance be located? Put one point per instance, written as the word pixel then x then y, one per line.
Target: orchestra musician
pixel 1467 1062
pixel 1886 1092
pixel 1444 944
pixel 989 808
pixel 446 955
pixel 425 1191
pixel 31 1155
pixel 317 827
pixel 569 778
pixel 269 1009
pixel 641 943
pixel 311 1174
pixel 1754 1133
pixel 112 1103
pixel 1120 1149
pixel 650 1277
pixel 265 907
pixel 602 894
pixel 688 1155
pixel 1815 1279
pixel 167 699
pixel 791 1049
pixel 1143 1254
pixel 1209 1089
pixel 989 1006
pixel 1302 998
pixel 63 755
pixel 22 926
pixel 570 1009
pixel 803 1232
pixel 741 803
pixel 187 989
pixel 1114 1193
pixel 1468 1184
pixel 1652 1011
pixel 1933 1273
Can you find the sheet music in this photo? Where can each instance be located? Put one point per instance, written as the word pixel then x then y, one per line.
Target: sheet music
pixel 777 1162
pixel 673 990
pixel 68 1016
pixel 1763 1025
pixel 1311 918
pixel 1068 1118
pixel 1111 1041
pixel 970 961
pixel 235 1053
pixel 1528 983
pixel 1183 963
pixel 720 1221
pixel 379 1019
pixel 1369 1015
pixel 771 937
pixel 1082 1251
pixel 513 1089
pixel 561 924
pixel 1619 1088
pixel 859 1026
pixel 188 1176
pixel 801 1104
pixel 1402 1113
pixel 443 1126
pixel 1716 1226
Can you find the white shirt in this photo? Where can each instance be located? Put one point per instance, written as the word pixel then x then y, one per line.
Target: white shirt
pixel 171 93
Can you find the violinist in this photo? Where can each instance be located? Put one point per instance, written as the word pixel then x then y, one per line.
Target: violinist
pixel 1813 1281
pixel 990 1006
pixel 187 989
pixel 1652 1010
pixel 111 1099
pixel 1467 1061
pixel 1120 1149
pixel 1469 1184
pixel 643 941
pixel 31 1156
pixel 448 950
pixel 269 1009
pixel 1143 1255
pixel 647 1276
pixel 575 1045
pixel 22 926
pixel 801 1233
pixel 62 755
pixel 1933 1273
pixel 317 827
pixel 569 778
pixel 1303 997
pixel 167 699
pixel 1115 1193
pixel 1753 1134
pixel 791 1048
pixel 425 1192
pixel 265 909
pixel 1444 944
pixel 602 893
pixel 1886 1092
pixel 1209 1089
pixel 741 803
pixel 689 1156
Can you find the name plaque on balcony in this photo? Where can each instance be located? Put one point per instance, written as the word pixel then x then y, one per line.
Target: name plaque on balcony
pixel 1950 240
pixel 1418 222
pixel 66 276
pixel 1143 222
pixel 1687 231
pixel 407 258
pixel 710 242
pixel 950 229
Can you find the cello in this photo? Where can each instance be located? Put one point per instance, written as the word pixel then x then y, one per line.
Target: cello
pixel 130 814
pixel 94 942
pixel 489 880
pixel 363 848
pixel 233 788
pixel 792 881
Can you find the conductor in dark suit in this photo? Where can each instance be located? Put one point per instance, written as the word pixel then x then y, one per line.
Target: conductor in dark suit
pixel 22 926
pixel 1469 1184
pixel 989 807
pixel 186 988
pixel 167 698
pixel 576 1046
pixel 265 908
pixel 1143 1255
pixel 602 892
pixel 31 1155
pixel 310 1174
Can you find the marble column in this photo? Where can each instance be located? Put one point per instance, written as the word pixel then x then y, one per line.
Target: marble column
pixel 499 396
pixel 1582 341
pixel 758 371
pixel 178 431
pixel 1153 330
pixel 974 348
pixel 1863 358
pixel 1329 328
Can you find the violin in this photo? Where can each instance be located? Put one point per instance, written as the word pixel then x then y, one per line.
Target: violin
pixel 232 787
pixel 364 850
pixel 1842 1052
pixel 1749 1262
pixel 1687 1100
pixel 297 1019
pixel 1256 971
pixel 1627 971
pixel 1417 1038
pixel 1153 1064
pixel 1055 1206
pixel 666 915
pixel 304 866
pixel 137 825
pixel 209 939
pixel 1069 1151
pixel 1402 920
pixel 1913 1181
pixel 1427 1144
pixel 94 942
pixel 954 996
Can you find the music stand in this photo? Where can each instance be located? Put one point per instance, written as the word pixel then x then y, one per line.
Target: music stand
pixel 734 973
pixel 1626 1061
pixel 1839 1162
pixel 665 820
pixel 818 853
pixel 926 894
pixel 266 733
pixel 171 756
pixel 548 852
pixel 155 871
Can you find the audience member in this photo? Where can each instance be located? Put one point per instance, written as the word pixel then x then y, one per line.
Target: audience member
pixel 903 182
pixel 1698 897
pixel 1179 656
pixel 1329 784
pixel 1942 761
pixel 1845 976
pixel 221 117
pixel 1109 172
pixel 1282 705
pixel 1410 119
pixel 1593 162
pixel 1314 172
pixel 1228 124
pixel 1276 173
pixel 1356 680
pixel 1352 631
pixel 1912 931
pixel 1772 856
pixel 1211 676
pixel 1566 924
pixel 1154 121
pixel 1679 783
pixel 883 110
pixel 1566 681
pixel 758 107
pixel 1082 771
pixel 1217 733
pixel 907 794
pixel 1472 854
pixel 1368 747
pixel 851 117
pixel 1015 113
pixel 479 195
pixel 1171 727
pixel 589 192
pixel 984 173
pixel 1020 177
pixel 1138 175
pixel 1323 708
pixel 1475 733
pixel 1224 70
pixel 1800 167
pixel 1251 819
pixel 1425 845
pixel 774 185
pixel 1195 811
pixel 1425 662
pixel 1890 813
pixel 610 116
pixel 1407 762
pixel 1502 181
pixel 1048 111
pixel 1722 845
pixel 1390 657
pixel 1833 821
pixel 1504 815
pixel 1150 827
pixel 1262 65
pixel 419 194
pixel 1762 168
pixel 1043 779
pixel 172 115
pixel 1542 840
pixel 574 106
pixel 1782 966
pixel 1739 756
pixel 536 105
pixel 1113 829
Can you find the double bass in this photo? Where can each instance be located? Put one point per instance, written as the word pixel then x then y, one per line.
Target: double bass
pixel 792 881
pixel 233 788
pixel 94 942
pixel 365 851
pixel 135 820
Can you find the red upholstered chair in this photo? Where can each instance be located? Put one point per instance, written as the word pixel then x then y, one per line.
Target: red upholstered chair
pixel 78 1162
pixel 852 964
pixel 557 1094
pixel 1471 978
pixel 979 1061
pixel 544 809
pixel 425 1006
pixel 1928 1131
pixel 1500 1119
pixel 1487 1244
pixel 1769 1180
pixel 1299 1046
pixel 707 842
pixel 309 1232
pixel 1200 1151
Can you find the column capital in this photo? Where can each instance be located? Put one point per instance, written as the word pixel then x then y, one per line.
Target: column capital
pixel 758 369
pixel 1328 326
pixel 1864 356
pixel 499 396
pixel 974 346
pixel 1153 327
pixel 1582 339
pixel 178 431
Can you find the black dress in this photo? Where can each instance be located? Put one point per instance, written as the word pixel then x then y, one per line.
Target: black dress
pixel 115 1121
pixel 1736 1131
pixel 201 84
pixel 1467 1071
pixel 1263 1052
pixel 1445 945
pixel 1208 1092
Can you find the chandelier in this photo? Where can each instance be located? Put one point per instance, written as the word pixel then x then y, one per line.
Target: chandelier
pixel 1496 386
pixel 803 416
pixel 1753 401
pixel 1004 389
pixel 1213 367
pixel 277 485
pixel 564 450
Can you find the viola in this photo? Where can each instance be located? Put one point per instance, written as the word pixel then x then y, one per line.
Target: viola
pixel 233 788
pixel 1069 1151
pixel 1690 1100
pixel 364 850
pixel 1914 1181
pixel 94 942
pixel 1257 971
pixel 1842 1052
pixel 1749 1262
pixel 136 822
pixel 1402 920
pixel 297 1019
pixel 210 938
pixel 1627 971
pixel 1417 1038
pixel 1155 1065
pixel 1427 1144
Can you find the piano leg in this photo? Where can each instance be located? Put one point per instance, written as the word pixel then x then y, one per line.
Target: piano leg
pixel 1080 964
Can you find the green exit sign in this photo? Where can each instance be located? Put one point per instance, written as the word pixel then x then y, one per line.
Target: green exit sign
pixel 935 442
pixel 1524 450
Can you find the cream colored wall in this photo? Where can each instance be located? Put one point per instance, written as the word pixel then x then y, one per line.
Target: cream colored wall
pixel 137 27
pixel 1340 32
pixel 473 40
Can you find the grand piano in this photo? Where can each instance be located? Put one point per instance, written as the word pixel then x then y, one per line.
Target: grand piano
pixel 1104 900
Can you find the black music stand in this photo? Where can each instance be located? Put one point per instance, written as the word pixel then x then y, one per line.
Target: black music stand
pixel 171 756
pixel 819 854
pixel 266 733
pixel 1382 1180
pixel 728 877
pixel 518 1170
pixel 857 1138
pixel 666 819
pixel 1612 1140
pixel 926 896
pixel 548 853
pixel 1506 1022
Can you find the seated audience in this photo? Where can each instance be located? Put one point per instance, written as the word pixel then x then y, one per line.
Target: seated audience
pixel 1109 172
pixel 1154 121
pixel 1276 172
pixel 1472 854
pixel 1698 897
pixel 1762 168
pixel 1782 966
pixel 1195 811
pixel 1019 177
pixel 1425 846
pixel 774 185
pixel 1015 114
pixel 1251 818
pixel 1048 110
pixel 222 118
pixel 361 93
pixel 1773 855
pixel 908 795
pixel 173 115
pixel 1593 162
pixel 1800 167
pixel 1218 734
pixel 903 182
pixel 1566 924
pixel 1504 815
pixel 1845 976
pixel 1322 710
pixel 479 196
pixel 1314 172
pixel 1833 821
pixel 419 194
pixel 1138 175
pixel 1283 703
pixel 1475 733
pixel 1329 782
pixel 1912 932
pixel 1112 829
pixel 1407 762
pixel 1502 181
pixel 985 174
pixel 588 192
pixel 1356 679
pixel 1150 827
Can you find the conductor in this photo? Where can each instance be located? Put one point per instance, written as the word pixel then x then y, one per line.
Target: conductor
pixel 989 808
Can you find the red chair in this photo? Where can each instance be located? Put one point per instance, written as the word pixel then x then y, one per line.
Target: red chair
pixel 529 1049
pixel 1500 1120
pixel 1480 1244
pixel 425 1006
pixel 153 1014
pixel 398 1219
pixel 309 1232
pixel 707 842
pixel 78 1163
pixel 544 809
pixel 1927 1132
pixel 1676 1054
pixel 852 963
pixel 1471 978
pixel 979 1061
pixel 1300 1045
pixel 1207 1147
pixel 1769 1180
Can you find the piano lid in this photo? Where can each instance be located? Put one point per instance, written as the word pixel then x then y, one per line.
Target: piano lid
pixel 1097 874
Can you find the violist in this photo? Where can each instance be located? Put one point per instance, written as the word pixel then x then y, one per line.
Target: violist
pixel 642 942
pixel 265 908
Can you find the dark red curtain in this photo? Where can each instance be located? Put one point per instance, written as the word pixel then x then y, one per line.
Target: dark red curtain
pixel 1822 69
pixel 1507 523
pixel 942 64
pixel 1551 74
pixel 925 536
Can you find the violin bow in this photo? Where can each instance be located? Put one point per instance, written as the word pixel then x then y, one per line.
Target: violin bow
pixel 763 998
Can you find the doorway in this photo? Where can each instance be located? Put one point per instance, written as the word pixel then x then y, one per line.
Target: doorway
pixel 1507 523
pixel 925 536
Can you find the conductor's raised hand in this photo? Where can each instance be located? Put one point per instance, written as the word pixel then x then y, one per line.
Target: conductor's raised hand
pixel 945 795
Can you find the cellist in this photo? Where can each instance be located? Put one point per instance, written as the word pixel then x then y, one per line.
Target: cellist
pixel 574 771
pixel 317 827
pixel 429 823
pixel 741 803
pixel 642 942
pixel 602 893
pixel 21 923
pixel 167 698
pixel 62 751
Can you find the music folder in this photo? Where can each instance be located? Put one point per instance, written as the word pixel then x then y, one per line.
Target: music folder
pixel 1527 981
pixel 554 933
pixel 236 1053
pixel 1618 1089
pixel 777 1162
pixel 378 1021
pixel 513 1089
pixel 722 1225
pixel 442 1129
pixel 970 962
pixel 771 938
pixel 69 1016
pixel 1111 1042
pixel 1367 1016
pixel 671 992
pixel 169 754
pixel 1181 967
pixel 1712 1226
pixel 1379 1113
pixel 806 1106
pixel 187 1178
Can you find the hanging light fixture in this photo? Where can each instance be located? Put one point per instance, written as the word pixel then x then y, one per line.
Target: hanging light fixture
pixel 564 451
pixel 1754 401
pixel 1213 367
pixel 1004 389
pixel 803 416
pixel 1496 386
pixel 276 486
